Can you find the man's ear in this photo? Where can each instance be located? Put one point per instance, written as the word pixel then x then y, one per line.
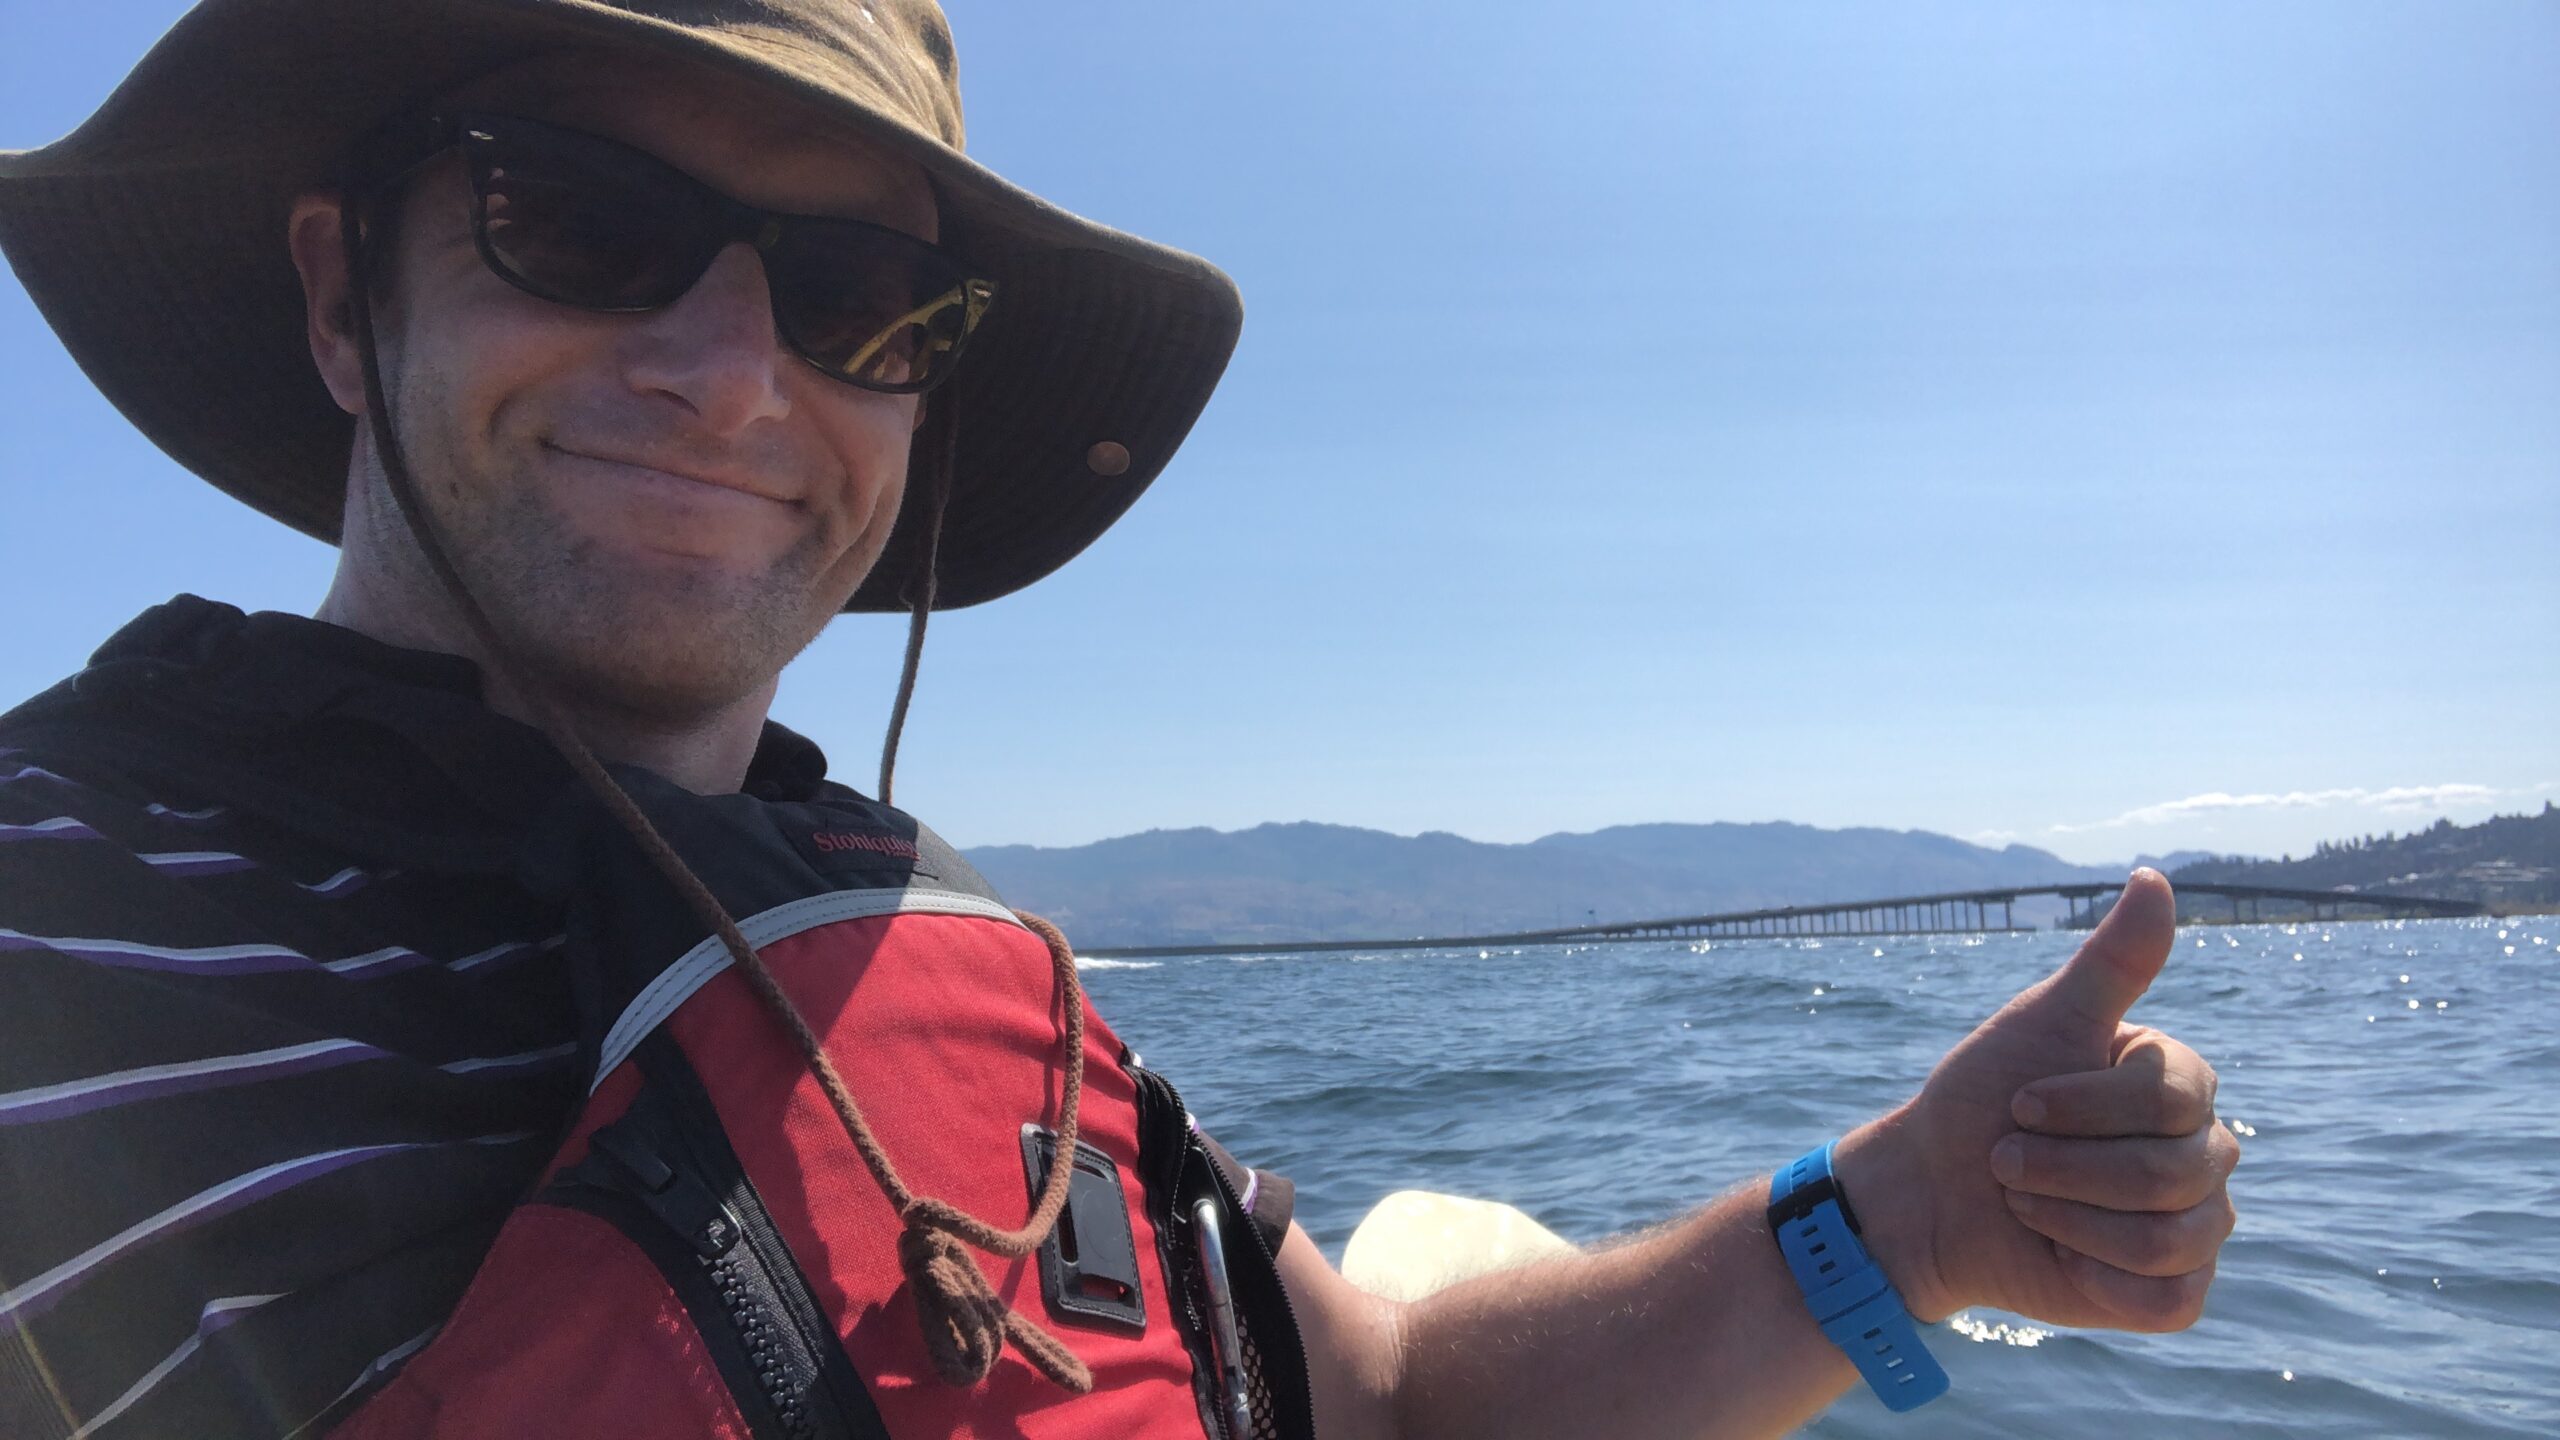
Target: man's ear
pixel 320 255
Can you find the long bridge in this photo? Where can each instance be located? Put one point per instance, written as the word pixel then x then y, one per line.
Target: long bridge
pixel 1965 912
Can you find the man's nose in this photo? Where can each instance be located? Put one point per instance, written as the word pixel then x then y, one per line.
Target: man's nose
pixel 715 350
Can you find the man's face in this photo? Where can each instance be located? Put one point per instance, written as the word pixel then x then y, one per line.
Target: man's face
pixel 660 509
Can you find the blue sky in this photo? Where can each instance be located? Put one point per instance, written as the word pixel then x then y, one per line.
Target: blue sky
pixel 2113 428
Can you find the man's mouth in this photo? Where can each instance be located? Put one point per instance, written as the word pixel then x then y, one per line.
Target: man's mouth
pixel 645 471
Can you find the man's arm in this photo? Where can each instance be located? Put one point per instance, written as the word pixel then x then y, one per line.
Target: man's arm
pixel 2112 1218
pixel 1692 1329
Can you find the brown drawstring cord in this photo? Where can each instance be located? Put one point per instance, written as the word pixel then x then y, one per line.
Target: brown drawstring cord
pixel 965 1322
pixel 920 597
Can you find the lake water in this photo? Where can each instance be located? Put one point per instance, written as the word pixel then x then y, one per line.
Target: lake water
pixel 2396 1271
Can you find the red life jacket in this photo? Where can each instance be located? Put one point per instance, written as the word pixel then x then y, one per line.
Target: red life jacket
pixel 707 1255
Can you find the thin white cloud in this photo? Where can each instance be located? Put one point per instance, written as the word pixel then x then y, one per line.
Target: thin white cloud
pixel 2396 799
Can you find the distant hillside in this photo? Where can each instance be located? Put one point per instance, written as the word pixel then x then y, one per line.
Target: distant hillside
pixel 2508 862
pixel 1308 881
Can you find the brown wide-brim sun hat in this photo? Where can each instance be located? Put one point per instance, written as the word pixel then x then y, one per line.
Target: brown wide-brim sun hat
pixel 153 239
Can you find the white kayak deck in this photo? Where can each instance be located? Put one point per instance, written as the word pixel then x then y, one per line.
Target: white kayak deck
pixel 1415 1242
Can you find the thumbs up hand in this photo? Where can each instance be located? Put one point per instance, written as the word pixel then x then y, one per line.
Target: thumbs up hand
pixel 2059 1163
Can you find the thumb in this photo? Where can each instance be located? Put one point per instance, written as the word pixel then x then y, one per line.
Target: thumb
pixel 2117 962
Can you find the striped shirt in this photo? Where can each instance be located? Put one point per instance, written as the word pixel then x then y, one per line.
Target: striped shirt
pixel 284 1028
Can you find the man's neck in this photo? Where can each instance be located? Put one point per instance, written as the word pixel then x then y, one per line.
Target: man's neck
pixel 708 755
pixel 706 752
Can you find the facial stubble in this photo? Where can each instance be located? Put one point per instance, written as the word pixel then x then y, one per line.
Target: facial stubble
pixel 639 635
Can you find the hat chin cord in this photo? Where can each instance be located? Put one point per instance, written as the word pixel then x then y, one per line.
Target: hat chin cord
pixel 943 413
pixel 966 1324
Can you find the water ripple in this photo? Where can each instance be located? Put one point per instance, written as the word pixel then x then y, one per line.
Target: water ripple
pixel 2397 1268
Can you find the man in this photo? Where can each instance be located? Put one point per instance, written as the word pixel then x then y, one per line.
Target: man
pixel 620 349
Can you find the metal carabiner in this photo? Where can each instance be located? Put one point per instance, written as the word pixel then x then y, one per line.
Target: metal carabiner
pixel 1226 1343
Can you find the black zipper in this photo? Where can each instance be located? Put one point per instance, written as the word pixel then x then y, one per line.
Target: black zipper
pixel 1163 1147
pixel 665 1176
pixel 1274 1292
pixel 1270 1296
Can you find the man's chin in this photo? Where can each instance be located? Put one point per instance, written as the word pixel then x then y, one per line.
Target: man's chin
pixel 658 689
pixel 669 661
pixel 641 626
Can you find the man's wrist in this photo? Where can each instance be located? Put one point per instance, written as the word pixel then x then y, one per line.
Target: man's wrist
pixel 1886 1179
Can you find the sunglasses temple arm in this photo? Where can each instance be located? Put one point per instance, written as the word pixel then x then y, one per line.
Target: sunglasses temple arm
pixel 917 316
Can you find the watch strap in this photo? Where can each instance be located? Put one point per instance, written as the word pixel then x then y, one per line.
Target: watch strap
pixel 1850 1297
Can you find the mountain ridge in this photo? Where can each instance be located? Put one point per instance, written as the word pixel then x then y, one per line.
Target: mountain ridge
pixel 1313 880
pixel 2510 863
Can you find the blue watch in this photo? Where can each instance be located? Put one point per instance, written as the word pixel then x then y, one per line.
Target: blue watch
pixel 1853 1302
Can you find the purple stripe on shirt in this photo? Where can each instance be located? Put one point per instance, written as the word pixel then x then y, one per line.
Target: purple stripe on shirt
pixel 218 960
pixel 29 771
pixel 337 887
pixel 55 1101
pixel 197 862
pixel 61 827
pixel 506 954
pixel 390 960
pixel 36 1296
pixel 213 960
pixel 221 1314
pixel 216 1316
pixel 222 862
pixel 549 1057
pixel 209 812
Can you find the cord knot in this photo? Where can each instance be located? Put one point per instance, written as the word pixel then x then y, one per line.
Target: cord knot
pixel 965 1323
pixel 962 1318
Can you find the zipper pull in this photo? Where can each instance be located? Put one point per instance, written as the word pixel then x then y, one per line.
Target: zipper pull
pixel 621 1161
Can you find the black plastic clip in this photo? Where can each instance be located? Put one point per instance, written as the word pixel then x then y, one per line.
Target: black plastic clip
pixel 1089 1263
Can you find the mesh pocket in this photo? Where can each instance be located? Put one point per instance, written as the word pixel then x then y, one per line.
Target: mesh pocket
pixel 1266 1421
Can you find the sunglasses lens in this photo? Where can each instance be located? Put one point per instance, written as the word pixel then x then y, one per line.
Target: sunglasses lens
pixel 872 306
pixel 585 224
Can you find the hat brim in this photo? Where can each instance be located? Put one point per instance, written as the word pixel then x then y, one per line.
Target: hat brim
pixel 153 240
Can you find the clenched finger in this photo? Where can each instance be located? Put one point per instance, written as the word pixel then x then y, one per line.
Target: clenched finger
pixel 2157 1086
pixel 2154 1243
pixel 2140 1302
pixel 2131 1173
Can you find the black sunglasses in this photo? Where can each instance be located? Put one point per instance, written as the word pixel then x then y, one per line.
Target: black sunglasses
pixel 588 222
